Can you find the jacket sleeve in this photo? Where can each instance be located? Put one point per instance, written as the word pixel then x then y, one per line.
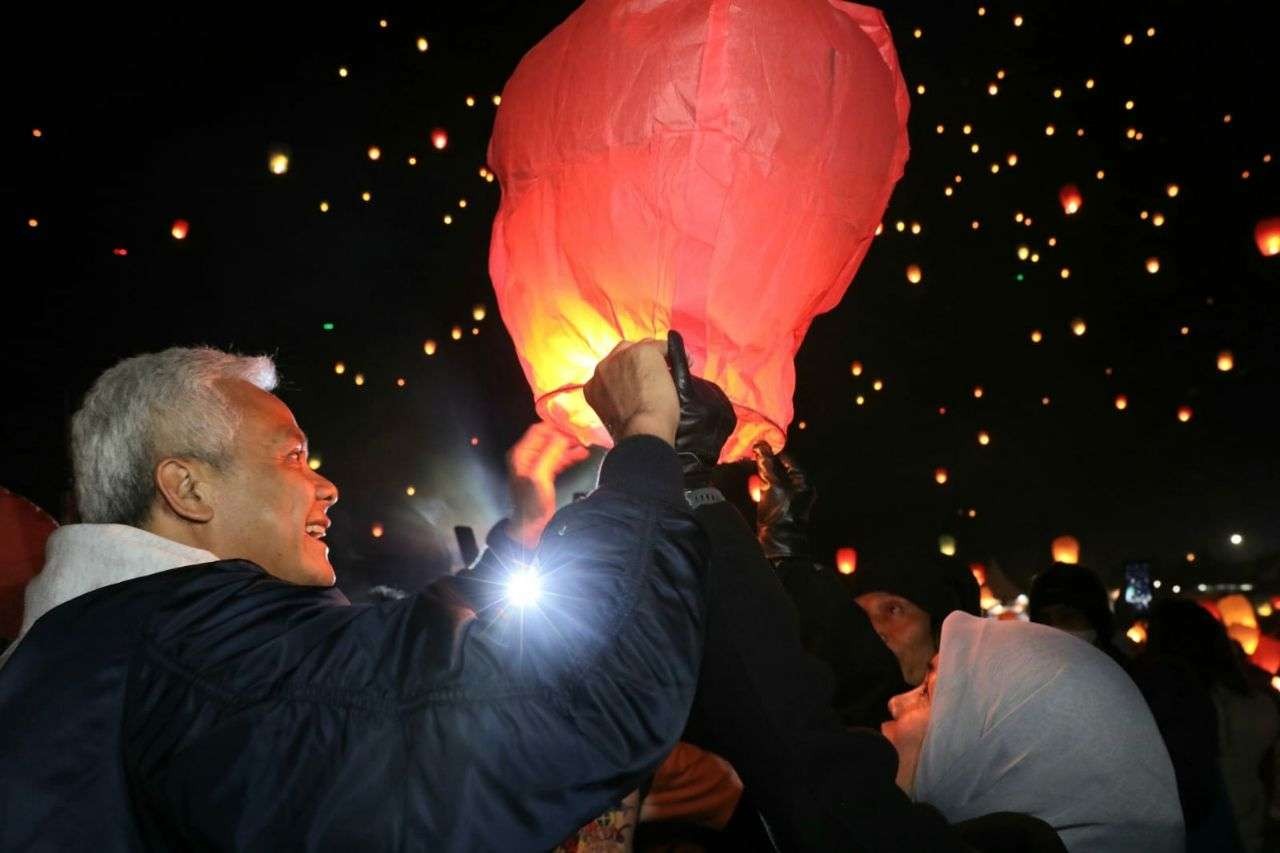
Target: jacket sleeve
pixel 419 723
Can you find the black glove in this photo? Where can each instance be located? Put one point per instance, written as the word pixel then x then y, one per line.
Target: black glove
pixel 707 418
pixel 782 516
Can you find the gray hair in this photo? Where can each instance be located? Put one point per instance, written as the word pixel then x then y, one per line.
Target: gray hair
pixel 145 409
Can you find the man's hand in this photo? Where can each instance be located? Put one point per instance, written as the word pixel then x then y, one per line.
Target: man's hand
pixel 782 516
pixel 632 392
pixel 707 418
pixel 533 464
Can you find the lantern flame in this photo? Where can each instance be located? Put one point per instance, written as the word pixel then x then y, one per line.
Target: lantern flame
pixel 1070 199
pixel 846 560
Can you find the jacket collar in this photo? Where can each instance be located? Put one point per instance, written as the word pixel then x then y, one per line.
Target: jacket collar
pixel 80 558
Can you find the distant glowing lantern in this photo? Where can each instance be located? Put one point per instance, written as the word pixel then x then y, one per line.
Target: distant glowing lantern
pixel 339 368
pixel 1267 654
pixel 856 368
pixel 1265 609
pixel 978 392
pixel 456 333
pixel 846 560
pixel 755 487
pixel 377 530
pixel 947 545
pixel 1078 327
pixel 475 441
pixel 1267 235
pixel 1184 413
pixel 1153 265
pixel 400 383
pixel 1137 633
pixel 179 229
pixel 422 44
pixel 1172 190
pixel 1070 199
pixel 1247 636
pixel 120 251
pixel 375 153
pixel 940 476
pixel 324 207
pixel 359 379
pixel 478 312
pixel 1226 361
pixel 1235 609
pixel 1036 336
pixel 984 438
pixel 979 573
pixel 1122 402
pixel 914 274
pixel 439 138
pixel 410 491
pixel 878 385
pixel 1066 549
pixel 631 209
pixel 1237 539
pixel 278 163
pixel 429 347
pixel 314 463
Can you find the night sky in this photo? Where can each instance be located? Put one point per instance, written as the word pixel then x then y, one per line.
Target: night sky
pixel 149 118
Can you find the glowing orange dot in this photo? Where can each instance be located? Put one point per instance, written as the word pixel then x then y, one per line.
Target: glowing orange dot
pixel 1078 327
pixel 984 438
pixel 456 333
pixel 878 385
pixel 755 488
pixel 179 229
pixel 33 223
pixel 1122 402
pixel 1153 265
pixel 37 132
pixel 478 312
pixel 856 368
pixel 1172 190
pixel 846 560
pixel 339 368
pixel 439 138
pixel 978 392
pixel 940 476
pixel 914 274
pixel 1184 413
pixel 429 347
pixel 376 531
pixel 359 379
pixel 400 382
pixel 375 153
pixel 1226 361
pixel 475 441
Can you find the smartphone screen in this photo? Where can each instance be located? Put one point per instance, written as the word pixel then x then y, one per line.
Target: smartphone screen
pixel 1137 584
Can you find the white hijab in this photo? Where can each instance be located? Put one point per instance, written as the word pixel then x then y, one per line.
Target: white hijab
pixel 1026 718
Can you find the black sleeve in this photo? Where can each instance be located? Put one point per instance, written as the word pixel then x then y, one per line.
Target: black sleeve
pixel 836 630
pixel 766 707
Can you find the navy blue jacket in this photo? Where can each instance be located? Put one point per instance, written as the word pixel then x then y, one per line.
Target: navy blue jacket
pixel 214 707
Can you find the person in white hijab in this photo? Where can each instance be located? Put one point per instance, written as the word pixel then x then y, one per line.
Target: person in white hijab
pixel 1017 717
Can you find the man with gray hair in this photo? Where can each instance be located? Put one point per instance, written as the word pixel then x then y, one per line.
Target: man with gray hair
pixel 187 677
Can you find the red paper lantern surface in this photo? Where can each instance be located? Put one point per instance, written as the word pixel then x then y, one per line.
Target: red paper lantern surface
pixel 846 560
pixel 1267 235
pixel 1267 654
pixel 714 166
pixel 24 527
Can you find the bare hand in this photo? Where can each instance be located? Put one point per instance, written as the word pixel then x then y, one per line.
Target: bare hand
pixel 632 392
pixel 533 464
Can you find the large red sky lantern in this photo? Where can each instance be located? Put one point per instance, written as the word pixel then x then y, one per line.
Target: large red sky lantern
pixel 714 166
pixel 24 527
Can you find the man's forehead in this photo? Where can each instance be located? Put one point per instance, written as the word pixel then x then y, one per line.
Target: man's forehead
pixel 263 413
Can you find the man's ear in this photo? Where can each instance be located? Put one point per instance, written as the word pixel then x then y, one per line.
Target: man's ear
pixel 184 488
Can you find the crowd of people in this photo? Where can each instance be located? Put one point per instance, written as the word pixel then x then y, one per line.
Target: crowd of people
pixel 643 668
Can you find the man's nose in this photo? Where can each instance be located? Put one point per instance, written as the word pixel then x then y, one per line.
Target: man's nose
pixel 326 491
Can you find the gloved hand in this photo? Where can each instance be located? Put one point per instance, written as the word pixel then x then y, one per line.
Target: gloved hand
pixel 782 516
pixel 707 418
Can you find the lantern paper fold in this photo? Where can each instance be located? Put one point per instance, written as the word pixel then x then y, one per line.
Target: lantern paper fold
pixel 714 166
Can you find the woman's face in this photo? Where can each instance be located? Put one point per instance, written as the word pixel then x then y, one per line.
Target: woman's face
pixel 910 721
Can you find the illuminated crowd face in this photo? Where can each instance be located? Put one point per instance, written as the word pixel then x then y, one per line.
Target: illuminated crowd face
pixel 905 629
